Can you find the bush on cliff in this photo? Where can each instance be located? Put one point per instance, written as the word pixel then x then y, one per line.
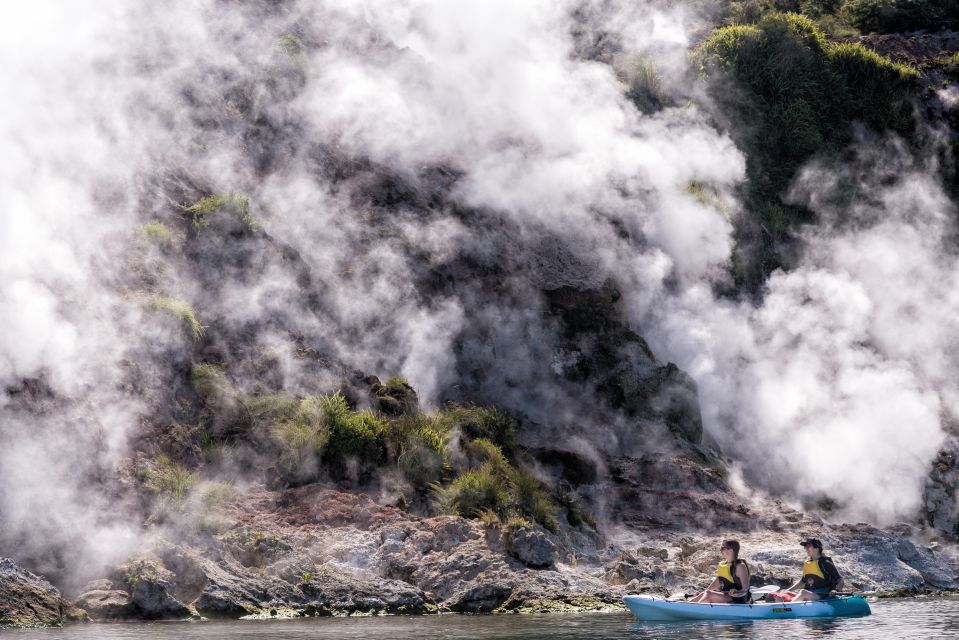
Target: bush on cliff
pixel 793 94
pixel 228 208
pixel 893 16
pixel 492 485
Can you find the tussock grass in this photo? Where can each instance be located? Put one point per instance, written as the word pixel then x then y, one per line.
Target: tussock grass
pixel 182 311
pixel 205 210
pixel 160 234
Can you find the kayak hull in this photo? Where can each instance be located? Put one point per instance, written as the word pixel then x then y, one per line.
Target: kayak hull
pixel 651 608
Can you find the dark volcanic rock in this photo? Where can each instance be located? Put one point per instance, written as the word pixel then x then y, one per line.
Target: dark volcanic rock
pixel 151 592
pixel 532 548
pixel 27 600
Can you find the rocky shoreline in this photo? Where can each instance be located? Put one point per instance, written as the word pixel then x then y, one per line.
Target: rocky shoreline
pixel 314 551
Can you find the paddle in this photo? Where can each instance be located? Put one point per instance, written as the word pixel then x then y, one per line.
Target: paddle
pixel 764 590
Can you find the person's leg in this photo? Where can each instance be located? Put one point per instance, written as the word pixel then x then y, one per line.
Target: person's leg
pixel 716 597
pixel 805 596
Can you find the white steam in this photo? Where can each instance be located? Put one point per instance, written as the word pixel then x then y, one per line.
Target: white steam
pixel 833 385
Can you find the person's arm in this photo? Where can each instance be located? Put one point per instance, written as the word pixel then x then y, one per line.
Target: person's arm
pixel 840 585
pixel 713 585
pixel 794 585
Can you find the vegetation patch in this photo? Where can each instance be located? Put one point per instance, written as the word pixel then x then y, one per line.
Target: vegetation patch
pixel 230 205
pixel 182 311
pixel 795 94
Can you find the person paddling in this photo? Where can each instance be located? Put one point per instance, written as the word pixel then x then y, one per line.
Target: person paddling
pixel 820 577
pixel 731 584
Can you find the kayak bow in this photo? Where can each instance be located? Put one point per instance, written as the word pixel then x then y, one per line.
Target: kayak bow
pixel 647 607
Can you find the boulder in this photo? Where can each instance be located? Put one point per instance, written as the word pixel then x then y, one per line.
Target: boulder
pixel 104 602
pixel 532 548
pixel 151 592
pixel 27 600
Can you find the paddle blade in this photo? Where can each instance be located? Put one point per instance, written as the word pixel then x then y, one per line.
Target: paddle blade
pixel 764 590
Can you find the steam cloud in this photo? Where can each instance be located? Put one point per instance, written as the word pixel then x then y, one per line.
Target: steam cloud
pixel 834 384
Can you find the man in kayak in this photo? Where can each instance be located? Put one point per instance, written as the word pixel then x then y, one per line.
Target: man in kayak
pixel 820 577
pixel 731 584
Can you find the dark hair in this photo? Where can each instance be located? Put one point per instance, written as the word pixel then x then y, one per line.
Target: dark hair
pixel 733 545
pixel 812 542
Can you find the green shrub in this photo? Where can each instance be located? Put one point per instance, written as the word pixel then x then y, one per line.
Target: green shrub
pixel 645 86
pixel 795 94
pixel 208 380
pixel 480 422
pixel 302 437
pixel 353 434
pixel 529 498
pixel 205 210
pixel 159 234
pixel 395 398
pixel 474 492
pixel 182 311
pixel 270 408
pixel 170 482
pixel 422 451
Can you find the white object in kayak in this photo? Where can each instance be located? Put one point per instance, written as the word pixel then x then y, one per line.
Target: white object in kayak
pixel 654 608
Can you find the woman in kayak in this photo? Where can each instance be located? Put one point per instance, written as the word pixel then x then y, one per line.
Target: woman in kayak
pixel 820 577
pixel 731 584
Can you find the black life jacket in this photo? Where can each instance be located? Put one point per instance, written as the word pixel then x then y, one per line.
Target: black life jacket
pixel 726 573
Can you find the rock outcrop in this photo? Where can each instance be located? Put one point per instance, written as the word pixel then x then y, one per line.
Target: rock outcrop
pixel 27 600
pixel 315 551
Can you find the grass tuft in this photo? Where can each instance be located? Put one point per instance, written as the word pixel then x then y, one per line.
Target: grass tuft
pixel 206 210
pixel 182 311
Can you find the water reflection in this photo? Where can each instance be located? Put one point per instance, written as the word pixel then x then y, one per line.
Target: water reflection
pixel 919 619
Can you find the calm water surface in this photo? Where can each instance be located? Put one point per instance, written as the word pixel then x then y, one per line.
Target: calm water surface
pixel 912 619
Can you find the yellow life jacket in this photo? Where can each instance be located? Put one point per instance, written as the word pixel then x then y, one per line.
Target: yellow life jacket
pixel 726 573
pixel 812 575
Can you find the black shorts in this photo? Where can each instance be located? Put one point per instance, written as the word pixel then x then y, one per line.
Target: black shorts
pixel 746 599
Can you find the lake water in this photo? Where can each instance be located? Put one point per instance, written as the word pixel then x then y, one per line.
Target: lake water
pixel 912 619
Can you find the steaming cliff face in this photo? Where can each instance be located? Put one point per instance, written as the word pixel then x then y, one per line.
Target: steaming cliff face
pixel 509 205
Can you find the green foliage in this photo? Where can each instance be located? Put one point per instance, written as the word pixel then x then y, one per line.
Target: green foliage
pixel 171 482
pixel 489 517
pixel 360 435
pixel 395 398
pixel 205 210
pixel 269 408
pixel 207 507
pixel 645 86
pixel 474 492
pixel 208 380
pixel 796 95
pixel 180 310
pixel 492 484
pixel 529 498
pixel 302 437
pixel 423 457
pixel 518 522
pixel 159 234
pixel 480 422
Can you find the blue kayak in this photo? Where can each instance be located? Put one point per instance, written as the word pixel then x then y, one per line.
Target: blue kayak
pixel 647 607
